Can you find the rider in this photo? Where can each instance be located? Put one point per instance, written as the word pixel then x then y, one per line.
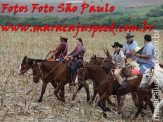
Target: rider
pixel 61 51
pixel 118 59
pixel 77 54
pixel 147 56
pixel 130 47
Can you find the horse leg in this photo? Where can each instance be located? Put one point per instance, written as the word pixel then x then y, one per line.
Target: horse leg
pixel 120 100
pixel 44 84
pixel 102 100
pixel 54 84
pixel 79 88
pixel 140 106
pixel 87 90
pixel 135 98
pixel 62 95
pixel 149 96
pixel 60 85
pixel 94 96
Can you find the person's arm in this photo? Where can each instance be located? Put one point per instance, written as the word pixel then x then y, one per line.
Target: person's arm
pixel 79 51
pixel 122 59
pixel 148 51
pixel 71 53
pixel 143 56
pixel 130 53
pixel 124 51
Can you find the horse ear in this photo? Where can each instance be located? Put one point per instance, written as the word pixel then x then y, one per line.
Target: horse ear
pixel 95 57
pixel 108 54
pixel 34 63
pixel 105 52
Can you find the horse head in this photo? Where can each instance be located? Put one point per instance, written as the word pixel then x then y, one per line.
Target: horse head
pixel 96 60
pixel 107 62
pixel 25 66
pixel 93 59
pixel 147 78
pixel 36 71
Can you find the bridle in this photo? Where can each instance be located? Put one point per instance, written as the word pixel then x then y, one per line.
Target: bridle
pixel 27 66
pixel 147 83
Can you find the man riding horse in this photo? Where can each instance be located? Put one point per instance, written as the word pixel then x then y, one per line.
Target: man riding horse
pixel 130 47
pixel 77 55
pixel 147 56
pixel 61 51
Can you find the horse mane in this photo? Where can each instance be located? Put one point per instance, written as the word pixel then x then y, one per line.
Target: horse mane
pixel 36 60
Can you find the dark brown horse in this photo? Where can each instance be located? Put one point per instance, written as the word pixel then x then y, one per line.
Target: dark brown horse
pixel 53 72
pixel 28 63
pixel 132 86
pixel 82 78
pixel 98 76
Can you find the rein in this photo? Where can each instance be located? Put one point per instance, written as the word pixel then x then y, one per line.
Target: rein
pixel 51 70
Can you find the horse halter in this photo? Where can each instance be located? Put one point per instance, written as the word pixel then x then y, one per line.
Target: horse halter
pixel 27 66
pixel 147 83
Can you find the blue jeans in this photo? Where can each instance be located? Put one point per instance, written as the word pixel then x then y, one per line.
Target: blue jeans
pixel 142 65
pixel 58 59
pixel 74 68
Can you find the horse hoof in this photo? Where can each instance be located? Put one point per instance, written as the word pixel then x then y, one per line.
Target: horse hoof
pixel 134 118
pixel 39 100
pixel 63 100
pixel 113 104
pixel 73 98
pixel 89 102
pixel 104 115
pixel 107 109
pixel 119 112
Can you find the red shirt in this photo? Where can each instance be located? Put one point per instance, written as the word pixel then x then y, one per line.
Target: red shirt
pixel 62 50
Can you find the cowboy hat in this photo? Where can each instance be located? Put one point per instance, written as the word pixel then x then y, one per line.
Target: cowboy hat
pixel 138 50
pixel 65 39
pixel 129 35
pixel 117 44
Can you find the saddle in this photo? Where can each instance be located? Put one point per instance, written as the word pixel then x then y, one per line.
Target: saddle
pixel 130 74
pixel 50 59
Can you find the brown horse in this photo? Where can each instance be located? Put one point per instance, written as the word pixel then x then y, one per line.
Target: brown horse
pixel 98 75
pixel 28 63
pixel 82 78
pixel 132 86
pixel 53 72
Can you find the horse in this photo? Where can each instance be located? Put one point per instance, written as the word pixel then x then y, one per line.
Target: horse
pixel 82 78
pixel 28 63
pixel 98 75
pixel 98 61
pixel 85 77
pixel 132 86
pixel 149 77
